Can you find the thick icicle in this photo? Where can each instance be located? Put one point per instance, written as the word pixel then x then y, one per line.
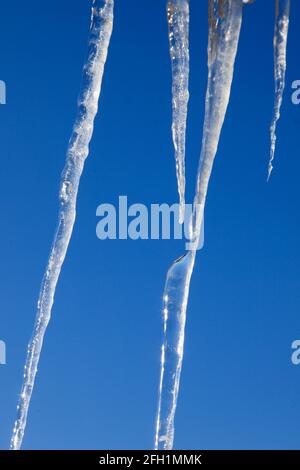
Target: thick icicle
pixel 178 21
pixel 100 33
pixel 174 314
pixel 225 19
pixel 280 45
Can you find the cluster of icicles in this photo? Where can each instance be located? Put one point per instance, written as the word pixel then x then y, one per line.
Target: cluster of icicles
pixel 225 18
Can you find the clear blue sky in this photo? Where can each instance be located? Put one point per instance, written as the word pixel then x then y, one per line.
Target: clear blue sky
pixel 98 375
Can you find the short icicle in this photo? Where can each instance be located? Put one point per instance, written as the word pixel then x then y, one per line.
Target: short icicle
pixel 178 22
pixel 282 16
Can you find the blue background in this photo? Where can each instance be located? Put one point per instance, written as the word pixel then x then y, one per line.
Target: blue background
pixel 98 375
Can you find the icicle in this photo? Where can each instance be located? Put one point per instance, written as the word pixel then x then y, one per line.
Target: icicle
pixel 178 22
pixel 280 45
pixel 100 33
pixel 225 19
pixel 174 314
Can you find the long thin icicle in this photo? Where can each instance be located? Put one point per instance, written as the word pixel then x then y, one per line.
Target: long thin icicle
pixel 178 22
pixel 78 150
pixel 225 19
pixel 280 45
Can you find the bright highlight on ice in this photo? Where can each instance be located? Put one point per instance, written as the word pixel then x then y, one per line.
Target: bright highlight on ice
pixel 178 22
pixel 225 18
pixel 280 45
pixel 100 33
